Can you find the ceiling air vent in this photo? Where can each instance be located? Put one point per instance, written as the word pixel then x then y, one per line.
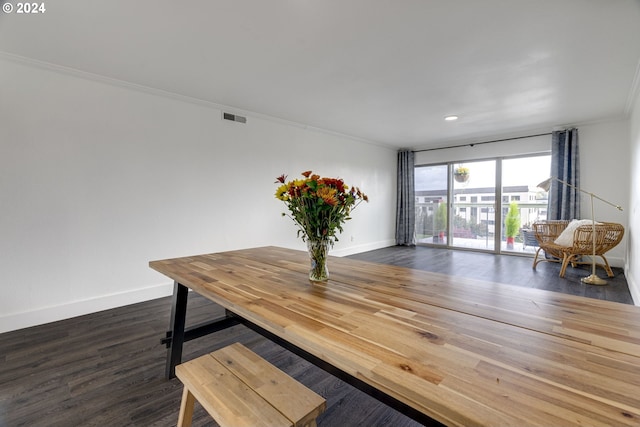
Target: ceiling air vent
pixel 234 117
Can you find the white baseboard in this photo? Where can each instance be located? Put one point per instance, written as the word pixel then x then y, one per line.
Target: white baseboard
pixel 613 261
pixel 41 316
pixel 356 249
pixel 633 287
pixel 616 262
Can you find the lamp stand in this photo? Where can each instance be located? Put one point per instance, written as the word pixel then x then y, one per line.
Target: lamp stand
pixel 593 278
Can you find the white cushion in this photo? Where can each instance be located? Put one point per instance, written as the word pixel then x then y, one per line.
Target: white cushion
pixel 566 237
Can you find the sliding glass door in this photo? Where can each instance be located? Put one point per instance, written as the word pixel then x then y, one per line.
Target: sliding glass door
pixel 431 191
pixel 523 203
pixel 473 213
pixel 486 205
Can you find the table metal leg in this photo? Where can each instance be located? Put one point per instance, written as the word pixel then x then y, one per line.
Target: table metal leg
pixel 176 326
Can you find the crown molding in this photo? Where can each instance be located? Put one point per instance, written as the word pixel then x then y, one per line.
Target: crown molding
pixel 48 66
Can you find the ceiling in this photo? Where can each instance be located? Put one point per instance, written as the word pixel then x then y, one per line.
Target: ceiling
pixel 381 70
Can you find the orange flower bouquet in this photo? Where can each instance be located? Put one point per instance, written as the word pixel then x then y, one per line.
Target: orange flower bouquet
pixel 320 207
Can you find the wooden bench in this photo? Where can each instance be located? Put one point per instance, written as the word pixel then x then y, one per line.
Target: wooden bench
pixel 239 388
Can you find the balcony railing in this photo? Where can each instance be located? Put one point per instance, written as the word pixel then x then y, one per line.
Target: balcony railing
pixel 473 225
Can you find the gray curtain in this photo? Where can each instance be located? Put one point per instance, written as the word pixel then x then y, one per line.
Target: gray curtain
pixel 405 208
pixel 564 201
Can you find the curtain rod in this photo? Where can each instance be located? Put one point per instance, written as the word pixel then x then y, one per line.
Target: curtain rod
pixel 471 144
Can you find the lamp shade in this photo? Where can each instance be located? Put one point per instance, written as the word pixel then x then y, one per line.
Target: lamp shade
pixel 546 184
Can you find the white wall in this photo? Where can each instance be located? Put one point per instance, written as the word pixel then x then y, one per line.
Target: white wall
pixel 605 171
pixel 98 178
pixel 515 147
pixel 632 269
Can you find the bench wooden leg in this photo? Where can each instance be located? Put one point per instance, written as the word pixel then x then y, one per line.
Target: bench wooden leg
pixel 186 408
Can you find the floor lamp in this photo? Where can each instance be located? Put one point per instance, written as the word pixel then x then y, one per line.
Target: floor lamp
pixel 593 279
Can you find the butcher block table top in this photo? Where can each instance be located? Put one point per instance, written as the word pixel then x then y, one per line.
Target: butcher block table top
pixel 461 351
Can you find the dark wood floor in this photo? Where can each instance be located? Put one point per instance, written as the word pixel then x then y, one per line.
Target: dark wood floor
pixel 106 368
pixel 508 269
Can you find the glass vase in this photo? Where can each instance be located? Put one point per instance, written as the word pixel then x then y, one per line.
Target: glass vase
pixel 318 250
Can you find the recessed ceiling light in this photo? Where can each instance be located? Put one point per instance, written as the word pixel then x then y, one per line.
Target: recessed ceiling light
pixel 451 118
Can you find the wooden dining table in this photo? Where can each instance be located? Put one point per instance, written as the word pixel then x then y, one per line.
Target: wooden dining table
pixel 442 349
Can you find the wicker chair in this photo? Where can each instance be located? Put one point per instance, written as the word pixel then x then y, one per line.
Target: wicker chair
pixel 546 233
pixel 608 235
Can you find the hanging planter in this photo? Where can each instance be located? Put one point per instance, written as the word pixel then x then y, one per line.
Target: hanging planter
pixel 461 174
